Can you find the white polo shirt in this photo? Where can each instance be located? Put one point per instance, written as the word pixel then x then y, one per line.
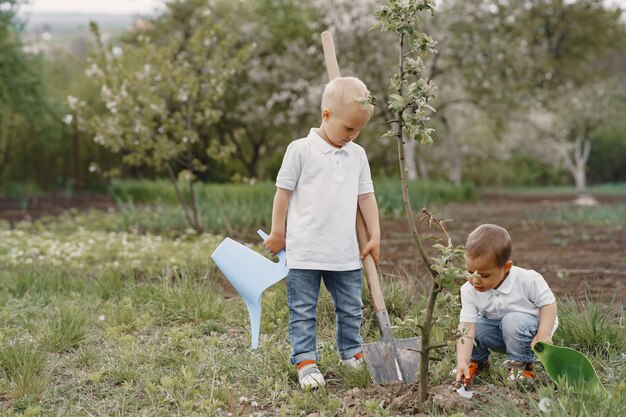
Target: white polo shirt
pixel 523 290
pixel 321 217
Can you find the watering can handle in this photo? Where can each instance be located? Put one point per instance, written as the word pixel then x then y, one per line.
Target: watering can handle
pixel 282 256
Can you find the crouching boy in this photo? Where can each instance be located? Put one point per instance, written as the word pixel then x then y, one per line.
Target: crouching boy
pixel 504 309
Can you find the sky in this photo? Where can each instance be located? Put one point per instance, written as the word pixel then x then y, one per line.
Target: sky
pixel 93 6
pixel 124 6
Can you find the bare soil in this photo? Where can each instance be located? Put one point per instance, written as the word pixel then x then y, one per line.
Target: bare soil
pixel 13 209
pixel 576 259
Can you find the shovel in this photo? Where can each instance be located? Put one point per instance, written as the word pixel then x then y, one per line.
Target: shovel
pixel 566 365
pixel 391 359
pixel 250 273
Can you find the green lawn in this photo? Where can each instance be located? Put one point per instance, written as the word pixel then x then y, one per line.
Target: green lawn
pixel 100 318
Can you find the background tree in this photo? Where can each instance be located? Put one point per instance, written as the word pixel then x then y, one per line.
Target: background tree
pixel 517 57
pixel 20 95
pixel 162 97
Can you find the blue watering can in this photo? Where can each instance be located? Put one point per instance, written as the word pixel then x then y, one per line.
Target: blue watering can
pixel 250 273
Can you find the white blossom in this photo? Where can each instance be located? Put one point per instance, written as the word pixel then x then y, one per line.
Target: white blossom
pixel 117 51
pixel 72 102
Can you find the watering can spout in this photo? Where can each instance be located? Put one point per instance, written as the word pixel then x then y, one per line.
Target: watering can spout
pixel 250 273
pixel 566 365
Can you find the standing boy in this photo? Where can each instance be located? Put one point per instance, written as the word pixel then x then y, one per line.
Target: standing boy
pixel 504 308
pixel 323 179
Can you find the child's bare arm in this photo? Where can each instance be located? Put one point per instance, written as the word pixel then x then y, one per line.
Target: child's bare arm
pixel 464 348
pixel 547 317
pixel 276 241
pixel 369 209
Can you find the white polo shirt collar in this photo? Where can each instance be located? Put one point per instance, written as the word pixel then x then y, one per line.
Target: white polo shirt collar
pixel 508 284
pixel 323 146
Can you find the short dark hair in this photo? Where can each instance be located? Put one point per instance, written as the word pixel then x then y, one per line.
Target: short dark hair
pixel 489 240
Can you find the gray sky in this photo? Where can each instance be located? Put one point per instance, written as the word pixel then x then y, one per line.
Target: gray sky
pixel 126 6
pixel 93 6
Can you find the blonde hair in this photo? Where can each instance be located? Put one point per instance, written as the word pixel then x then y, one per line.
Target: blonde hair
pixel 343 91
pixel 489 240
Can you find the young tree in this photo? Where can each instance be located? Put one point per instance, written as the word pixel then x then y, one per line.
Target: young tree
pixel 409 105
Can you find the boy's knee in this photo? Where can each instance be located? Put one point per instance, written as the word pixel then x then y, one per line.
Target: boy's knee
pixel 517 323
pixel 353 312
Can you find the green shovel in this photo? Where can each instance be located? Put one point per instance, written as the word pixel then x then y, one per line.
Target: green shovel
pixel 566 365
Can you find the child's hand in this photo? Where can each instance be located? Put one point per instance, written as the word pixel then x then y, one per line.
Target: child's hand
pixel 274 243
pixel 545 338
pixel 462 372
pixel 373 247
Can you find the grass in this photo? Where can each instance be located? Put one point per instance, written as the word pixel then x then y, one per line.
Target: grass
pixel 240 207
pixel 157 334
pixel 177 345
pixel 612 189
pixel 65 332
pixel 602 214
pixel 24 371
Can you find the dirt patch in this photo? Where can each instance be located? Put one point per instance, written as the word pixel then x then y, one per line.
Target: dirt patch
pixel 14 210
pixel 403 399
pixel 577 259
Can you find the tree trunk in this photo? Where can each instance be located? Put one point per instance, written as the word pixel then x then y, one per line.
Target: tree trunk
pixel 456 174
pixel 582 148
pixel 5 144
pixel 78 180
pixel 421 167
pixel 427 328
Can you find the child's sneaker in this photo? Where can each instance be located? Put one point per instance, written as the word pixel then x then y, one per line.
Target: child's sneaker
pixel 520 371
pixel 355 362
pixel 309 376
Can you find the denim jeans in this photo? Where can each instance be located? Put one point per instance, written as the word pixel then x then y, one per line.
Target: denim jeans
pixel 303 287
pixel 511 334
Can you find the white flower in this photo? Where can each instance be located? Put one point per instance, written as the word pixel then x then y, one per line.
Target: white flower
pixel 98 139
pixel 67 119
pixel 545 404
pixel 105 92
pixel 93 70
pixel 117 51
pixel 183 96
pixel 72 102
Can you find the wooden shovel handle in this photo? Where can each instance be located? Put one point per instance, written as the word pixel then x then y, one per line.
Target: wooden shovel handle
pixel 371 272
pixel 329 55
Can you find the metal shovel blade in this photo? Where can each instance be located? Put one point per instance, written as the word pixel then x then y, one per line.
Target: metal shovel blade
pixel 393 361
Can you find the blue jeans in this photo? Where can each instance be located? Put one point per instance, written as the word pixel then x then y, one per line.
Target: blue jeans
pixel 511 334
pixel 303 288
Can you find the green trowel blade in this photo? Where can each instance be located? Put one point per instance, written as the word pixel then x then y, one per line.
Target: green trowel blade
pixel 564 364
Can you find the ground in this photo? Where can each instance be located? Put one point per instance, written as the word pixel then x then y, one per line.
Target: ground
pixel 574 257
